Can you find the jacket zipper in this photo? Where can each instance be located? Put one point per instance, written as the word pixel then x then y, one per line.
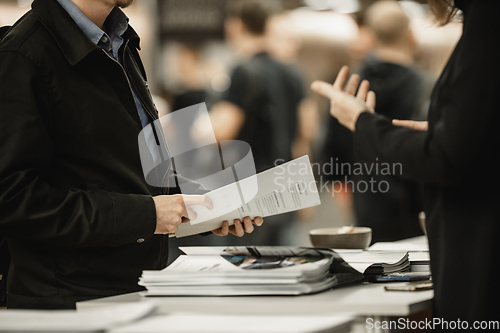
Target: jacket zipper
pixel 159 132
pixel 165 182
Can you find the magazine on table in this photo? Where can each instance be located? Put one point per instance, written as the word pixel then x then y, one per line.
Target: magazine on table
pixel 251 270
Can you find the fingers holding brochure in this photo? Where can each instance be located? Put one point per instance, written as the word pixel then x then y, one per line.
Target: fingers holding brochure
pixel 239 228
pixel 172 210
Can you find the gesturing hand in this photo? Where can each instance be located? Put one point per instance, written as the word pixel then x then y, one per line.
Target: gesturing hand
pixel 411 124
pixel 239 228
pixel 345 105
pixel 172 210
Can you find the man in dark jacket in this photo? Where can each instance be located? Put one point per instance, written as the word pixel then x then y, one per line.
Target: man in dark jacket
pixel 80 218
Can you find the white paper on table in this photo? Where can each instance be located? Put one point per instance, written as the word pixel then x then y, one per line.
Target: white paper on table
pixel 190 323
pixel 419 256
pixel 373 257
pixel 194 264
pixel 231 250
pixel 91 320
pixel 360 266
pixel 398 246
pixel 361 260
pixel 216 266
pixel 418 249
pixel 285 188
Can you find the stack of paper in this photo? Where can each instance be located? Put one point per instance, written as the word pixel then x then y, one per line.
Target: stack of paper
pixel 418 249
pixel 219 271
pixel 376 262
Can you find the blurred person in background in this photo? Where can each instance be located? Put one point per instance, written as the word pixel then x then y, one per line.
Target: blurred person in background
pixel 192 91
pixel 453 154
pixel 260 107
pixel 190 67
pixel 392 214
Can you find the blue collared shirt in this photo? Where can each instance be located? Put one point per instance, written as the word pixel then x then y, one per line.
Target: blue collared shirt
pixel 116 24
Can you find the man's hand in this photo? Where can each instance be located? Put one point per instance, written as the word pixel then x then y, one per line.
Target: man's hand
pixel 172 210
pixel 414 125
pixel 239 228
pixel 345 106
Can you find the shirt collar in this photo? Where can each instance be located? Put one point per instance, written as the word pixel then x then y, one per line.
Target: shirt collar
pixel 116 22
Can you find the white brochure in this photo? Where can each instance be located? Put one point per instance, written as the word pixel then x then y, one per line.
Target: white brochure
pixel 285 188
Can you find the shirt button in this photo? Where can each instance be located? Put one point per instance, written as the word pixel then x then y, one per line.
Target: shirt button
pixel 140 240
pixel 104 39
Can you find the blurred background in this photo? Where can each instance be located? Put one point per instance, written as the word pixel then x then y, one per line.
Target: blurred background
pixel 191 51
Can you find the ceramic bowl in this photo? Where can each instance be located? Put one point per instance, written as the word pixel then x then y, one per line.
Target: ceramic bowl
pixel 356 238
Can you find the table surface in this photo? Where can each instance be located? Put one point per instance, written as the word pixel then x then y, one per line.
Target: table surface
pixel 209 323
pixel 367 299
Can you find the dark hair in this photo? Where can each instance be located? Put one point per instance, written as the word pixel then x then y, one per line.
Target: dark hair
pixel 444 10
pixel 253 13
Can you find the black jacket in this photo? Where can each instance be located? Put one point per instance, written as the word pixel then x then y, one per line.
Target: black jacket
pixel 458 160
pixel 74 204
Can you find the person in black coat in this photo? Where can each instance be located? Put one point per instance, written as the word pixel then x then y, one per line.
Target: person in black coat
pixel 455 155
pixel 80 218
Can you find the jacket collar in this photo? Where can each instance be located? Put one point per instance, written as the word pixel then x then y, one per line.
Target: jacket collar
pixel 73 42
